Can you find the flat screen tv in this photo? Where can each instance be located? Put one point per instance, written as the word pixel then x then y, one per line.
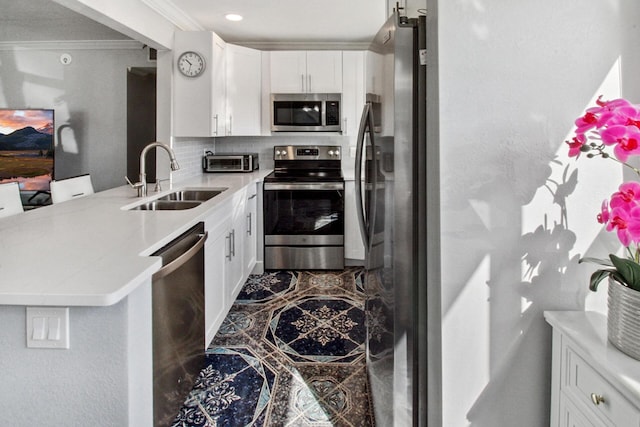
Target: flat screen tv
pixel 27 151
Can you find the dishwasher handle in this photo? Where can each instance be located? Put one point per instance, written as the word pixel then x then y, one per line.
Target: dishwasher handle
pixel 183 258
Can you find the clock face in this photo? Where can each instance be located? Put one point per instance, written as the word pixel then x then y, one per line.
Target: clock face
pixel 191 64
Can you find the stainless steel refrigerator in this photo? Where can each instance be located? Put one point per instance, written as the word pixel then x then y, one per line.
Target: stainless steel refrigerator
pixel 397 201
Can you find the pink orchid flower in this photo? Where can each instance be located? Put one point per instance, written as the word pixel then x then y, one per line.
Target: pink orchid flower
pixel 603 216
pixel 575 145
pixel 633 225
pixel 625 138
pixel 619 221
pixel 627 197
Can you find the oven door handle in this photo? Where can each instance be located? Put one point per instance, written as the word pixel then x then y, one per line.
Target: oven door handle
pixel 304 186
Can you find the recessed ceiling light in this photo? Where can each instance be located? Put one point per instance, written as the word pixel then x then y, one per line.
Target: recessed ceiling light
pixel 233 17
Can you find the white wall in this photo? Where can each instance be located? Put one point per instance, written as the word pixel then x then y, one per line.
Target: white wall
pixel 89 98
pixel 103 379
pixel 513 77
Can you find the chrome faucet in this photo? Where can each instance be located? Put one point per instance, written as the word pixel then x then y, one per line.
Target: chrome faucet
pixel 142 184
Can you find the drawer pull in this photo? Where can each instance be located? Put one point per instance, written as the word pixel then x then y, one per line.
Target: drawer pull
pixel 597 399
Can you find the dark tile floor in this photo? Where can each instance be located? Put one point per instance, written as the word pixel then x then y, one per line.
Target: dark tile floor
pixel 289 353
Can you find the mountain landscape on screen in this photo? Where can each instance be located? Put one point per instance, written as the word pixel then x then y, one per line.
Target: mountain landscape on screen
pixel 27 148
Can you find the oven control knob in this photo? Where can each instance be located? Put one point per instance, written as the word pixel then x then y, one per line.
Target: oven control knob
pixel 331 153
pixel 337 153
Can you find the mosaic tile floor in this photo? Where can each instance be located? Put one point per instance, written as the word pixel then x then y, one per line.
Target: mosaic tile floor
pixel 289 353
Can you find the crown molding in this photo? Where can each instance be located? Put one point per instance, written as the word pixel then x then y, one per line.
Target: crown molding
pixel 174 14
pixel 72 45
pixel 292 45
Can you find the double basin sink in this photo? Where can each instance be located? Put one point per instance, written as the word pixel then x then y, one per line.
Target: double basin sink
pixel 186 198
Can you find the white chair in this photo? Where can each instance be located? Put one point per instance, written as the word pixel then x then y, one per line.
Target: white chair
pixel 71 188
pixel 10 202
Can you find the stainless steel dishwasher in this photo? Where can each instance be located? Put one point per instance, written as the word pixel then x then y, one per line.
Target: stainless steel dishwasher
pixel 178 322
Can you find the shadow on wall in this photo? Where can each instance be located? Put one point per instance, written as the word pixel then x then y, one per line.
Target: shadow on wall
pixel 67 149
pixel 514 219
pixel 29 86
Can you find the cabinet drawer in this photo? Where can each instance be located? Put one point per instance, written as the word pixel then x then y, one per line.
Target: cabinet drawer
pixel 571 416
pixel 582 381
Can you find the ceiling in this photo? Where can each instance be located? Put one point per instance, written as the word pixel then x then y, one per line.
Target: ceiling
pixel 303 22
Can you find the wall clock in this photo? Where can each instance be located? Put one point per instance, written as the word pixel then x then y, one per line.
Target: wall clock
pixel 191 64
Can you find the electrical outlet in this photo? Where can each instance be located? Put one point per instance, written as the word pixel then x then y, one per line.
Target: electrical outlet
pixel 48 327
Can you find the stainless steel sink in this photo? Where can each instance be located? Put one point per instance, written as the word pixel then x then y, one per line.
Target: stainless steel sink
pixel 193 194
pixel 166 205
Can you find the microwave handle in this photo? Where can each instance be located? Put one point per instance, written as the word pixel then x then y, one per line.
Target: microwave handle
pixel 204 163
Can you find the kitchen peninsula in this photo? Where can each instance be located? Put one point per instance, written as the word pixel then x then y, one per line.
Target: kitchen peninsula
pixel 92 255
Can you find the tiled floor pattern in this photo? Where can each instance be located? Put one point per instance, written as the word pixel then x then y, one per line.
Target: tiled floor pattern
pixel 289 353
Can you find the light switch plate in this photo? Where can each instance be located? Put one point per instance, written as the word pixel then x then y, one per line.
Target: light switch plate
pixel 48 327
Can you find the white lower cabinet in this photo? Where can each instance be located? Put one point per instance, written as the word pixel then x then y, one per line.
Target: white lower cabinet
pixel 237 236
pixel 230 255
pixel 592 383
pixel 216 253
pixel 251 230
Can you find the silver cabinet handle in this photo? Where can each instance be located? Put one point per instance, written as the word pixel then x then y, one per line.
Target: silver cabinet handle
pixel 228 238
pixel 309 85
pixel 344 129
pixel 215 128
pixel 249 230
pixel 233 242
pixel 230 125
pixel 302 81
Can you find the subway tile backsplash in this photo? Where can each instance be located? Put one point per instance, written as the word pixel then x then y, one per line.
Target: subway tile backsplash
pixel 189 151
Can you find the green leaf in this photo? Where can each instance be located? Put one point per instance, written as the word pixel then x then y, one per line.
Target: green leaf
pixel 599 261
pixel 627 269
pixel 597 277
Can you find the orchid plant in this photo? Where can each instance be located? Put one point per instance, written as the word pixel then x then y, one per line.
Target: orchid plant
pixel 614 125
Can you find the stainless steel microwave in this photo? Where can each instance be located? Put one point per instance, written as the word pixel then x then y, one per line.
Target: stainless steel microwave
pixel 306 112
pixel 231 162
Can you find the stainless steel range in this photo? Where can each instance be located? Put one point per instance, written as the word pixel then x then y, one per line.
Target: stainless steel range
pixel 304 209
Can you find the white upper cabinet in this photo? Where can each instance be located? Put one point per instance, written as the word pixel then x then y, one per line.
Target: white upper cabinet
pixel 244 74
pixel 200 100
pixel 374 72
pixel 317 71
pixel 353 93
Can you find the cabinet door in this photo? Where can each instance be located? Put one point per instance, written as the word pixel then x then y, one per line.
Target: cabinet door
pixel 244 66
pixel 199 102
pixel 353 95
pixel 373 73
pixel 218 96
pixel 237 237
pixel 288 71
pixel 216 253
pixel 251 233
pixel 324 71
pixel 353 245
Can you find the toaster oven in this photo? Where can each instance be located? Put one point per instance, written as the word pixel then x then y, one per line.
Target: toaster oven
pixel 230 162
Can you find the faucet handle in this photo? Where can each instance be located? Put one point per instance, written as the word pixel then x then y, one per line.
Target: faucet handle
pixel 138 185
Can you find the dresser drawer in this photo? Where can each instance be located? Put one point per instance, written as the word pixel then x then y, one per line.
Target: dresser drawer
pixel 571 416
pixel 585 385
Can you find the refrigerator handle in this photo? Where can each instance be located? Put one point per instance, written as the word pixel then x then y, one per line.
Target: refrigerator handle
pixel 358 176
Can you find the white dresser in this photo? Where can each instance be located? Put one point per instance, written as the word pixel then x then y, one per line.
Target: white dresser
pixel 592 383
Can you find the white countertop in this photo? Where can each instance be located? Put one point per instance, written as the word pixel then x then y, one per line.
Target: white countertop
pixel 91 252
